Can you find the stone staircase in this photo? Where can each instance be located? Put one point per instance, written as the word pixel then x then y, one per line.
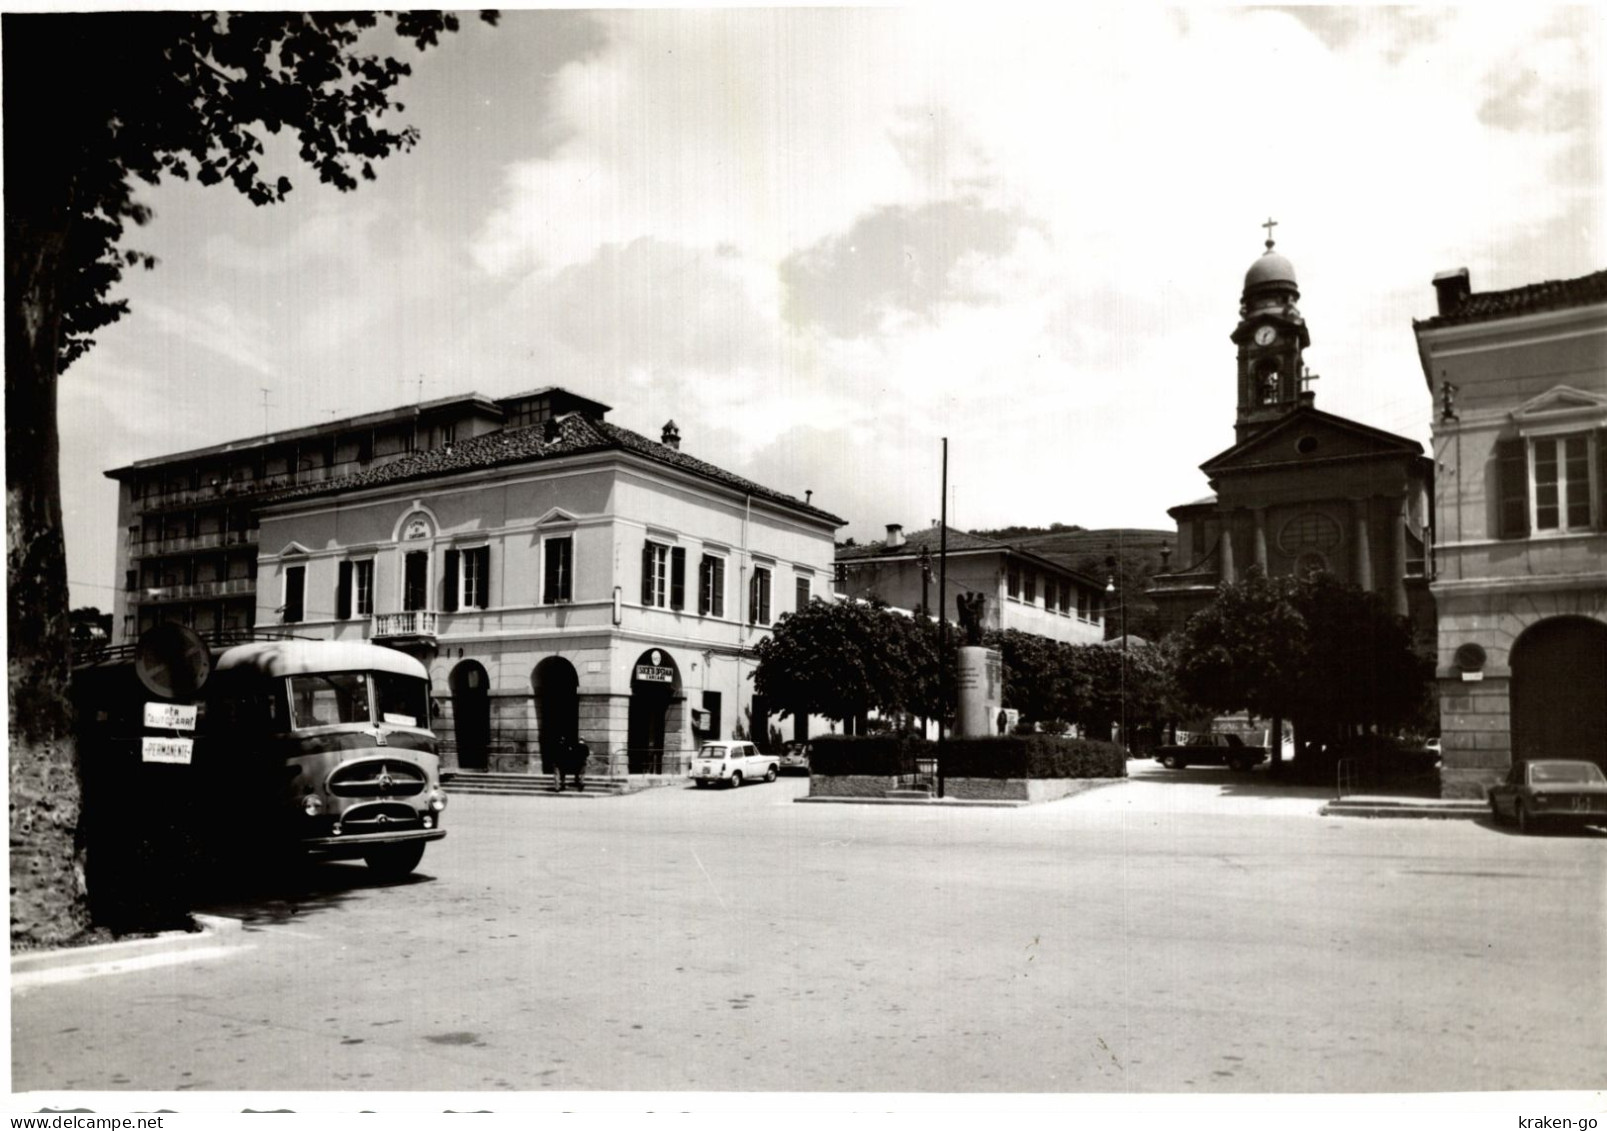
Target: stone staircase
pixel 531 785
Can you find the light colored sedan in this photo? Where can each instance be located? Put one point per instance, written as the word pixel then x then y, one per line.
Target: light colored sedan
pixel 732 763
pixel 1551 792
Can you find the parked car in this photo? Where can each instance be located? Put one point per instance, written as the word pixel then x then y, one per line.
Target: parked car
pixel 795 756
pixel 732 763
pixel 1551 792
pixel 1211 750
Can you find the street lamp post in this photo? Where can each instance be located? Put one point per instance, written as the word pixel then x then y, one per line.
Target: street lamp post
pixel 1121 607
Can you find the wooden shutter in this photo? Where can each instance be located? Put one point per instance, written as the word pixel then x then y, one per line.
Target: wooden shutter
pixel 703 588
pixel 647 573
pixel 1512 488
pixel 753 598
pixel 343 591
pixel 482 592
pixel 678 577
pixel 449 583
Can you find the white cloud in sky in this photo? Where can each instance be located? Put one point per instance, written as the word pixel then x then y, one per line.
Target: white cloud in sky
pixel 821 239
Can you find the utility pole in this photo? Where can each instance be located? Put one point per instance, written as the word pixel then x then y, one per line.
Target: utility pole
pixel 942 616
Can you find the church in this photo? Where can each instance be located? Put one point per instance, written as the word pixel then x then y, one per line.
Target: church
pixel 1300 490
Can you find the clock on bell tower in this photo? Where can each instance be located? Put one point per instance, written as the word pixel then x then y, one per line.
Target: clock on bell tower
pixel 1271 336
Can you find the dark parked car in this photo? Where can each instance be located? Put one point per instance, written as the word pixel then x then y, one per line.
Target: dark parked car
pixel 1211 750
pixel 1551 792
pixel 795 757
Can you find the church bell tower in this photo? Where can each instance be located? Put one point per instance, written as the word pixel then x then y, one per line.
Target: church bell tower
pixel 1272 338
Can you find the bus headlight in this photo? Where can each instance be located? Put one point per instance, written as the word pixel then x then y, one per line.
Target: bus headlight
pixel 437 799
pixel 312 805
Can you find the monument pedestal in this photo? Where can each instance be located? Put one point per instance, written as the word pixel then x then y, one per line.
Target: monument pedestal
pixel 980 688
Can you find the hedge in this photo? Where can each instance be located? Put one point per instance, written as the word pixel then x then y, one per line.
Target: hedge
pixel 885 753
pixel 1032 756
pixel 1001 756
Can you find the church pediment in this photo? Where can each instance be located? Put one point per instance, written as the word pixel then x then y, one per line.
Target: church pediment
pixel 1559 405
pixel 1308 435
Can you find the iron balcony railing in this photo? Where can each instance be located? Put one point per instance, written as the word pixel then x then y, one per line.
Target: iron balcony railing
pixel 195 589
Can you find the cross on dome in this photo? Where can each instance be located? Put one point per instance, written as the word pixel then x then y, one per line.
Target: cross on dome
pixel 1269 225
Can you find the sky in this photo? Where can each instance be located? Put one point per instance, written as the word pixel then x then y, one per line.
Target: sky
pixel 823 240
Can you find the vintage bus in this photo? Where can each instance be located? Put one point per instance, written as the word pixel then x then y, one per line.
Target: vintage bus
pixel 327 748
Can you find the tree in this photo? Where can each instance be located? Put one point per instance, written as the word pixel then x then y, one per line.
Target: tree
pixel 93 103
pixel 1326 655
pixel 843 660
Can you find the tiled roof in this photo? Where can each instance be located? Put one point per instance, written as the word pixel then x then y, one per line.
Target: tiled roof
pixel 577 435
pixel 1555 294
pixel 959 542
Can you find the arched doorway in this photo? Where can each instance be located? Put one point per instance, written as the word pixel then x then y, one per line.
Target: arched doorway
pixel 1559 690
pixel 471 714
pixel 556 686
pixel 655 681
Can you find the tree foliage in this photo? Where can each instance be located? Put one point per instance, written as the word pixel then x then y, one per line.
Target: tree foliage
pixel 844 659
pixel 1327 655
pixel 96 103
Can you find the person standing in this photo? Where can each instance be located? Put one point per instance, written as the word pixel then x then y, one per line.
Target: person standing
pixel 573 754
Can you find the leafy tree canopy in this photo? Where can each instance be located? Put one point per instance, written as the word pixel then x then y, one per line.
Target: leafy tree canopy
pixel 99 100
pixel 1326 654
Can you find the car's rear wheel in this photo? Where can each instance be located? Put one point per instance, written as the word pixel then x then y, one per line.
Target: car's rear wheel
pixel 736 780
pixel 1495 813
pixel 1521 812
pixel 699 782
pixel 393 861
pixel 1173 762
pixel 770 774
pixel 1238 764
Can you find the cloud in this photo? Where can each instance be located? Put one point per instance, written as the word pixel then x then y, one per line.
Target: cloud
pixel 895 257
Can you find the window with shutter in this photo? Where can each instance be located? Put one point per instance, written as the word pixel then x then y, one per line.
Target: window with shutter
pixel 1512 488
pixel 678 577
pixel 801 593
pixel 711 587
pixel 759 597
pixel 655 575
pixel 476 570
pixel 557 571
pixel 295 589
pixel 363 588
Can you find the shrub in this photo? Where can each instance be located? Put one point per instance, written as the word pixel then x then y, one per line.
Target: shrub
pixel 885 753
pixel 1032 756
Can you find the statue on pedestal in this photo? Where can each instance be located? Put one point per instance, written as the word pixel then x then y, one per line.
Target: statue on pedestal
pixel 972 609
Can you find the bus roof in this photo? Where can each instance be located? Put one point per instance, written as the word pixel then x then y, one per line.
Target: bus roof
pixel 299 657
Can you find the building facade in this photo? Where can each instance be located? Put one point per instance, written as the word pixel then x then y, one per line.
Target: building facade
pixel 1023 590
pixel 1301 489
pixel 1520 377
pixel 560 576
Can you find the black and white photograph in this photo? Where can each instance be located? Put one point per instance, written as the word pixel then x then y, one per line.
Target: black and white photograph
pixel 941 560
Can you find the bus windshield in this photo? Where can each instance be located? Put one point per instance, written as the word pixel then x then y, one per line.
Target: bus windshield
pixel 327 699
pixel 402 700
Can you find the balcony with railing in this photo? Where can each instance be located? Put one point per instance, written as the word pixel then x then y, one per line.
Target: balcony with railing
pixel 232 587
pixel 415 623
pixel 183 544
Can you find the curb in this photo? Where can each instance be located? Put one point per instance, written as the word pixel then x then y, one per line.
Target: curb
pixel 929 803
pixel 1454 811
pixel 215 931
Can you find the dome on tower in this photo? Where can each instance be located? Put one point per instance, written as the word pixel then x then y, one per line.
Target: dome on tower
pixel 1270 268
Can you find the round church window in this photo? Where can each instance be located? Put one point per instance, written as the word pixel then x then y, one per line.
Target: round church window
pixel 1307 532
pixel 1306 445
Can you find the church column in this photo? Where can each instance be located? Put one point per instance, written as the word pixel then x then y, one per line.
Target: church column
pixel 1225 541
pixel 1261 537
pixel 1397 581
pixel 1364 550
